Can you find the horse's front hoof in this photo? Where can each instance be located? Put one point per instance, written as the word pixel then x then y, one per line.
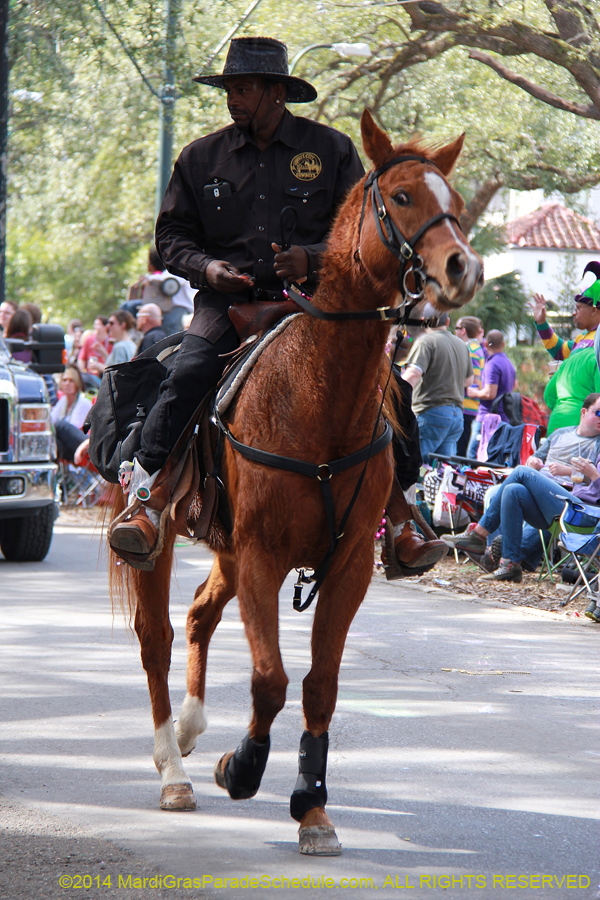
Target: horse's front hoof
pixel 219 769
pixel 177 797
pixel 319 840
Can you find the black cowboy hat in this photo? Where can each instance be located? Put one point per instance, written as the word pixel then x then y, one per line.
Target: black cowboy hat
pixel 265 57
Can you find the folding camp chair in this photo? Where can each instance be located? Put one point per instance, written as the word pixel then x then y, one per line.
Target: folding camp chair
pixel 477 483
pixel 78 485
pixel 580 537
pixel 549 549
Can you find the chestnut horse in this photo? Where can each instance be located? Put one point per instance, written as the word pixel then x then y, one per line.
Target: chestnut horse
pixel 313 395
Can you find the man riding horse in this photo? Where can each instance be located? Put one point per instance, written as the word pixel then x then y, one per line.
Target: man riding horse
pixel 219 227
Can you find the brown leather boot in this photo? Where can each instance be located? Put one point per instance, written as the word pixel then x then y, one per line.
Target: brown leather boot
pixel 409 553
pixel 135 535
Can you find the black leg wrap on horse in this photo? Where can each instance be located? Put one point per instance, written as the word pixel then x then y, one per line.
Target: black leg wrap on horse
pixel 245 769
pixel 310 791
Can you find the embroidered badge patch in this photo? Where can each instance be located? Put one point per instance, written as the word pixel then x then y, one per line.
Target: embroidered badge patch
pixel 306 166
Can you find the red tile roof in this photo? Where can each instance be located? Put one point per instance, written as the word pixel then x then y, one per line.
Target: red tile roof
pixel 555 227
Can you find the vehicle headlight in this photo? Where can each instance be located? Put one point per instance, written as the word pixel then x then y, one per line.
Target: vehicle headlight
pixel 36 438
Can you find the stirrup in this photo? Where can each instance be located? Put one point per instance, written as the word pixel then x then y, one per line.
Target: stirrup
pixel 142 561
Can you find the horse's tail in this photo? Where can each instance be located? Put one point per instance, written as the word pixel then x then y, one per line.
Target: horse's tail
pixel 121 586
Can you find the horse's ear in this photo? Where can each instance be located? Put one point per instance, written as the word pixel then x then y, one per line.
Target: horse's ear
pixel 377 144
pixel 445 158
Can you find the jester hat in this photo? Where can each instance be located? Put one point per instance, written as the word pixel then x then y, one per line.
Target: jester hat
pixel 591 296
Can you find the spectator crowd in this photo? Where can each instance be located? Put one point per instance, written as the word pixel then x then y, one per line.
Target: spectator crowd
pixel 117 338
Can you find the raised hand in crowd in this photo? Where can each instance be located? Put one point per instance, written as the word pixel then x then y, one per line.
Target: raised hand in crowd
pixel 538 308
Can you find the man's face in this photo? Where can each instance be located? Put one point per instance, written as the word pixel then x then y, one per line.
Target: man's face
pixel 142 320
pixel 590 420
pixel 461 332
pixel 250 101
pixel 586 317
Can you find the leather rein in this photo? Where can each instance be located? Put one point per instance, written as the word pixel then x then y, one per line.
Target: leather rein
pixel 404 250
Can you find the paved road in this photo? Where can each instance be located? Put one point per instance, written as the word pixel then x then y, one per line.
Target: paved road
pixel 438 771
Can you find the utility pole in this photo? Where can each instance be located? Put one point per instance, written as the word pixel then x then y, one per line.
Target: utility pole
pixel 4 5
pixel 167 102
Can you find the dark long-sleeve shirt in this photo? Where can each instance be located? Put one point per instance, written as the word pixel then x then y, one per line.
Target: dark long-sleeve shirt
pixel 225 198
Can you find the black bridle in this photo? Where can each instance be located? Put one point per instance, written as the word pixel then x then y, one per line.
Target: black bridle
pixel 404 250
pixel 393 240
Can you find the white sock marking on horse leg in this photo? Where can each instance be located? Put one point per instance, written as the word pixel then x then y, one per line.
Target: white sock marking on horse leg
pixel 440 189
pixel 190 724
pixel 167 756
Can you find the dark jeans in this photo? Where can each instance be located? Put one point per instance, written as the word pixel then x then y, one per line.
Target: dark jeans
pixel 524 496
pixel 463 441
pixel 196 371
pixel 68 439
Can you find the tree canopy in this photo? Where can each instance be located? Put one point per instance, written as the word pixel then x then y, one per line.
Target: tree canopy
pixel 84 122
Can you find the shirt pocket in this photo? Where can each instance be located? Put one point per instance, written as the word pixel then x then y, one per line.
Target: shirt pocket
pixel 221 217
pixel 313 208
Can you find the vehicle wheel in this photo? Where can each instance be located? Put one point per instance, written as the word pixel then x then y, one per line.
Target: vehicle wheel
pixel 27 538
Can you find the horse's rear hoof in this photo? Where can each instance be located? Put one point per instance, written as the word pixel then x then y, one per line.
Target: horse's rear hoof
pixel 319 840
pixel 177 797
pixel 219 769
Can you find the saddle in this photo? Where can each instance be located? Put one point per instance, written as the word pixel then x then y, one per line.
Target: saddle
pixel 259 317
pixel 189 491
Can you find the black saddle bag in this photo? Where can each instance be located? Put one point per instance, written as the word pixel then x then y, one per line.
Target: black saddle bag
pixel 127 393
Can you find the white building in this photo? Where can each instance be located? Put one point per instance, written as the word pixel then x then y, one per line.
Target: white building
pixel 548 246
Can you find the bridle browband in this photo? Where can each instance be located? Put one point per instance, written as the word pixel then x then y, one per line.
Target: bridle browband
pixel 393 240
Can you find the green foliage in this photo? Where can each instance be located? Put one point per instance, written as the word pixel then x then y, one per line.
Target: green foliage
pixel 533 372
pixel 501 303
pixel 84 126
pixel 568 282
pixel 488 240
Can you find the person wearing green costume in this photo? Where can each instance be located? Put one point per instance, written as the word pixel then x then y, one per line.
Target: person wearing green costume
pixel 578 375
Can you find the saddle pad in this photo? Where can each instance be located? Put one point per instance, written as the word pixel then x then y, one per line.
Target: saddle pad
pixel 239 371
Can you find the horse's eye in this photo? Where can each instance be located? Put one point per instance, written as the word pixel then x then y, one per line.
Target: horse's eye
pixel 402 198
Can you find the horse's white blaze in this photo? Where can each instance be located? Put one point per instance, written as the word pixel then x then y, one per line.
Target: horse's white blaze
pixel 191 723
pixel 167 756
pixel 439 189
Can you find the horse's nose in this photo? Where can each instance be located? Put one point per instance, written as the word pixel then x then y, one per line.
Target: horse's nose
pixel 456 266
